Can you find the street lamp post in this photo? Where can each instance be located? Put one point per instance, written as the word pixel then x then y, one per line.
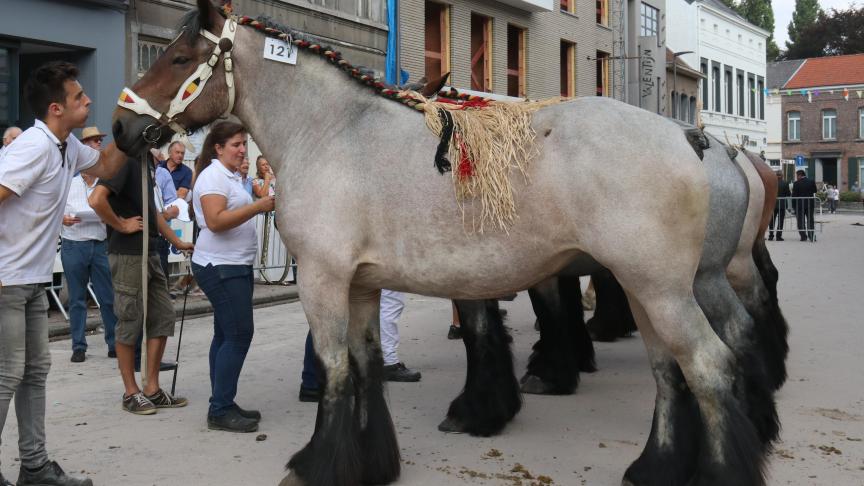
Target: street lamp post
pixel 675 75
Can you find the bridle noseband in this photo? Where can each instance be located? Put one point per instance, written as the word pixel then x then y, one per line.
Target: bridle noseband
pixel 190 88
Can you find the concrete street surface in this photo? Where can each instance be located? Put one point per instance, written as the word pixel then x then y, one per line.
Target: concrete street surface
pixel 588 438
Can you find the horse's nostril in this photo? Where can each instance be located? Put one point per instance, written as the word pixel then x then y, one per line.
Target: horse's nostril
pixel 117 129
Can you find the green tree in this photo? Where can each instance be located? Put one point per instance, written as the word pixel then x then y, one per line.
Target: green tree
pixel 760 14
pixel 805 15
pixel 834 33
pixel 730 4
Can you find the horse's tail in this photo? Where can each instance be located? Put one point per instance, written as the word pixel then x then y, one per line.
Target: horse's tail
pixel 772 330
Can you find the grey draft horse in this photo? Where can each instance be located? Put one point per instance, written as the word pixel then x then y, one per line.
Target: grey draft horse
pixel 361 212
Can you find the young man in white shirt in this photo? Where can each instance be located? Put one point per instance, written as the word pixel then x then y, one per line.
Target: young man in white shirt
pixel 35 175
pixel 84 253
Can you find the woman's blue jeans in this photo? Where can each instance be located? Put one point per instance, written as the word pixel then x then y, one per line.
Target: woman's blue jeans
pixel 229 290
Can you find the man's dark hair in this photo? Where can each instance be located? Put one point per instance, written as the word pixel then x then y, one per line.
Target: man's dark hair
pixel 800 173
pixel 45 86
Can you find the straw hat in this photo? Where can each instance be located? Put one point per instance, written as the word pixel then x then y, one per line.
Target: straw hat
pixel 91 132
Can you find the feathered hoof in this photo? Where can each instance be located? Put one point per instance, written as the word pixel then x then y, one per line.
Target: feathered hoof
pixel 534 385
pixel 292 480
pixel 452 426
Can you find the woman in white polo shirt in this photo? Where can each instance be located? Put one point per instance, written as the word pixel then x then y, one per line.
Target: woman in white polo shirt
pixel 222 264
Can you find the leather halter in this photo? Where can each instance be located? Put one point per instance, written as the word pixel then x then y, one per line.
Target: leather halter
pixel 191 88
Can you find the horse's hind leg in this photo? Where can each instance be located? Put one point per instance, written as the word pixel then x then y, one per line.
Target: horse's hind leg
pixel 670 453
pixel 379 450
pixel 564 347
pixel 730 450
pixel 332 457
pixel 491 396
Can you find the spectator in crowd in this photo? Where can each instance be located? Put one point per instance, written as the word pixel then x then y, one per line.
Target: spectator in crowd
pixel 222 265
pixel 245 180
pixel 35 176
pixel 9 135
pixel 165 195
pixel 84 253
pixel 180 173
pixel 804 187
pixel 833 198
pixel 392 304
pixel 265 183
pixel 118 202
pixel 779 215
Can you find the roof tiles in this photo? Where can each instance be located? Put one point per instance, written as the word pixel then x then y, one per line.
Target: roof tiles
pixel 829 71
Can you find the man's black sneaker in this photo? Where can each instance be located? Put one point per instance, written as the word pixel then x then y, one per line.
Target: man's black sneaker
pixel 163 399
pixel 779 238
pixel 400 372
pixel 310 394
pixel 250 414
pixel 49 475
pixel 112 353
pixel 138 404
pixel 232 421
pixel 455 332
pixel 4 482
pixel 78 356
pixel 163 366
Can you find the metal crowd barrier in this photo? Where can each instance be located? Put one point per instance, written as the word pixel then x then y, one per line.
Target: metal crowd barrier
pixel 790 206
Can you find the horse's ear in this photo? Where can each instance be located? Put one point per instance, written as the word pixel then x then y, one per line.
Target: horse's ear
pixel 206 11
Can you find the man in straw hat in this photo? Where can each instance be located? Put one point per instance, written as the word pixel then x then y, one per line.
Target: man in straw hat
pixel 84 253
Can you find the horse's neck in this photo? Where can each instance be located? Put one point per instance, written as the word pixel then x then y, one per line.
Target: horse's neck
pixel 293 111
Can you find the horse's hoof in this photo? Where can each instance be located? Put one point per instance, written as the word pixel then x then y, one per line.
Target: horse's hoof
pixel 534 385
pixel 292 480
pixel 452 426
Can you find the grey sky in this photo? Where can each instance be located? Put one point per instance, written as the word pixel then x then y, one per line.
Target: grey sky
pixel 783 15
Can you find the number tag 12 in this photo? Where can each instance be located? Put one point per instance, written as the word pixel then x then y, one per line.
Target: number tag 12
pixel 280 51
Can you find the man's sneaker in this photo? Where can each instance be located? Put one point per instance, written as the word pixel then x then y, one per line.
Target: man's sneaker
pixel 232 421
pixel 400 372
pixel 163 399
pixel 310 394
pixel 78 356
pixel 138 404
pixel 112 353
pixel 49 475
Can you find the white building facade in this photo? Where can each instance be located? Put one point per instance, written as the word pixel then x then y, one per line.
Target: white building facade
pixel 730 52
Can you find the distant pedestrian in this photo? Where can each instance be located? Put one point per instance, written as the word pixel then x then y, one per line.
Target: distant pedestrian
pixel 180 173
pixel 805 189
pixel 9 135
pixel 392 304
pixel 265 183
pixel 833 198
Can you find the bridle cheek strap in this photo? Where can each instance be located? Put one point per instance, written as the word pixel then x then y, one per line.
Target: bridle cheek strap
pixel 193 86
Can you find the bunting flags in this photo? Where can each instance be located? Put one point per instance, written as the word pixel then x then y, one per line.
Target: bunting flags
pixel 846 94
pixel 809 93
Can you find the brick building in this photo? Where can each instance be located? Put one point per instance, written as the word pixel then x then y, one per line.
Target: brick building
pixel 536 48
pixel 823 118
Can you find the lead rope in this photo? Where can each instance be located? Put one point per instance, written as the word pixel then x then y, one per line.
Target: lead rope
pixel 145 243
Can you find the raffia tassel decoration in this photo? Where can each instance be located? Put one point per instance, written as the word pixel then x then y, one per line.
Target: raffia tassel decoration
pixel 489 139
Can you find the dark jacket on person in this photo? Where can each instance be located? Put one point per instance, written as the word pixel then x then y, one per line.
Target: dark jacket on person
pixel 783 189
pixel 804 187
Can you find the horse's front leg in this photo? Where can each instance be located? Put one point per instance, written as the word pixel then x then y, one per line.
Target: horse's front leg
pixel 491 396
pixel 332 457
pixel 379 449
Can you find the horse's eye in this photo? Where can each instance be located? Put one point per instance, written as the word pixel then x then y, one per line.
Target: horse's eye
pixel 181 60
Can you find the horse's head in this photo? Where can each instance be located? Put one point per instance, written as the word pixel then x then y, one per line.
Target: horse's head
pixel 186 88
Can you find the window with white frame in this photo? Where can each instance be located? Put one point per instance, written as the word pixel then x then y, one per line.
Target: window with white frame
pixel 650 23
pixel 793 125
pixel 829 124
pixel 860 122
